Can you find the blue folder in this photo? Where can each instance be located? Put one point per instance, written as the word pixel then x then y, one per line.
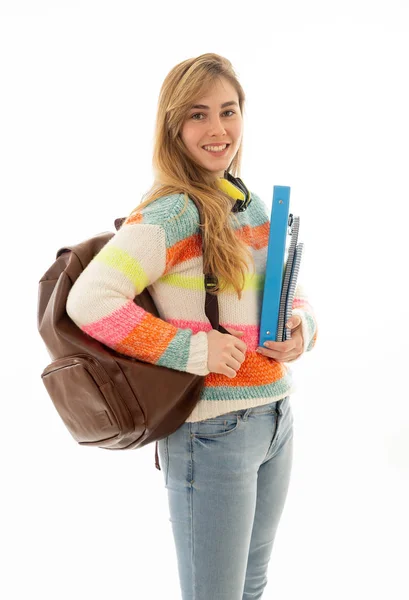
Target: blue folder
pixel 282 269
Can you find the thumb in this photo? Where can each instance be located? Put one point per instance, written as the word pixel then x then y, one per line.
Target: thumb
pixel 294 322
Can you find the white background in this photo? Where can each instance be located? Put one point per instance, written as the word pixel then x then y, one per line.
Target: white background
pixel 327 114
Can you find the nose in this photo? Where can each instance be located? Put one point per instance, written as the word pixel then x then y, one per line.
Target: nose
pixel 216 126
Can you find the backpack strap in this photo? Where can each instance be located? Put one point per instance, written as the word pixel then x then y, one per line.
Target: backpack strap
pixel 210 280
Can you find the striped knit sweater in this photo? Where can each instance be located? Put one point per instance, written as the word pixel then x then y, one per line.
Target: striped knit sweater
pixel 154 249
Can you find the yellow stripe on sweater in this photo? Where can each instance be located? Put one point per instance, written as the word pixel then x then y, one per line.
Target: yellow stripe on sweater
pixel 252 282
pixel 121 261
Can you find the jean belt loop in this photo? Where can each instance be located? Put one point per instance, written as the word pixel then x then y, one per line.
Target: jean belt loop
pixel 278 407
pixel 246 414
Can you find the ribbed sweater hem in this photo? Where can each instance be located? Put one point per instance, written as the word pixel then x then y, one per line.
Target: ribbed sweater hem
pixel 207 409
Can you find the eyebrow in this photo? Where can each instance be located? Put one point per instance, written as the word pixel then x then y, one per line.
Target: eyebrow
pixel 231 103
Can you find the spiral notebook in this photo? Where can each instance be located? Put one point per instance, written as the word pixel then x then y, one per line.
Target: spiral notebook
pixel 282 269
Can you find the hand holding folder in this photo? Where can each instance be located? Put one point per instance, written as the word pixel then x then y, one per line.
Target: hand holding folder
pixel 281 273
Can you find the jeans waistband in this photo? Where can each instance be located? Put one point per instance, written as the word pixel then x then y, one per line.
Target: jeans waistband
pixel 263 409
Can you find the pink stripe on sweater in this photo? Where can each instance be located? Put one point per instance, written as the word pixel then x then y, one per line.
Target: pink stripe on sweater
pixel 115 327
pixel 250 337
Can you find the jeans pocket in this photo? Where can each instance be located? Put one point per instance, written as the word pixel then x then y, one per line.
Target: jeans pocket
pixel 287 419
pixel 216 426
pixel 287 408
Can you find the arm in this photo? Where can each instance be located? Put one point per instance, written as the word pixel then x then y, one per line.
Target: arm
pixel 101 300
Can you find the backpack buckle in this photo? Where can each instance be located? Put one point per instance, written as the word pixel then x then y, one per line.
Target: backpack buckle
pixel 210 281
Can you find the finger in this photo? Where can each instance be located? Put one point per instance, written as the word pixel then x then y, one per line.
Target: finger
pixel 238 354
pixel 294 322
pixel 240 345
pixel 279 356
pixel 229 372
pixel 238 341
pixel 233 363
pixel 269 353
pixel 234 331
pixel 281 347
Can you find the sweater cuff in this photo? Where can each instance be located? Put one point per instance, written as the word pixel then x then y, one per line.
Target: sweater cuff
pixel 198 354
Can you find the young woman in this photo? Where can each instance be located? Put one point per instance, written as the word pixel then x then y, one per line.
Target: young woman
pixel 227 468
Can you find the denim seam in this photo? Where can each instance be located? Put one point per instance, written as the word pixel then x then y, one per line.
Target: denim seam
pixel 190 475
pixel 275 434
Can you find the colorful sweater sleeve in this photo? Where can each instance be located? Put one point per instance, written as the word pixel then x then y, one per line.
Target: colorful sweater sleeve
pixel 101 300
pixel 303 308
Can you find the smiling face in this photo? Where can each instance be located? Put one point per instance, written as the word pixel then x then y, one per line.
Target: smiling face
pixel 214 120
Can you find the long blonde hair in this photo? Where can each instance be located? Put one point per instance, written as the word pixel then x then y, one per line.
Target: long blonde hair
pixel 175 171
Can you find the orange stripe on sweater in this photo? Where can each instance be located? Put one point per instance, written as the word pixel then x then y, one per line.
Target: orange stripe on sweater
pixel 255 370
pixel 191 247
pixel 186 249
pixel 256 237
pixel 148 340
pixel 134 217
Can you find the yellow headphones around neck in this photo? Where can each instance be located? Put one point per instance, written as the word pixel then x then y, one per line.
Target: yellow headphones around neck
pixel 235 188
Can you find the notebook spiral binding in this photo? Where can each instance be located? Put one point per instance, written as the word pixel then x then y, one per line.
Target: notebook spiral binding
pixel 292 268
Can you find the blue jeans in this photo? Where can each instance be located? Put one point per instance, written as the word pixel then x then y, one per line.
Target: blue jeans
pixel 227 480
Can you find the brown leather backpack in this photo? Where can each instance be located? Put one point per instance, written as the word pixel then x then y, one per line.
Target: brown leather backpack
pixel 105 398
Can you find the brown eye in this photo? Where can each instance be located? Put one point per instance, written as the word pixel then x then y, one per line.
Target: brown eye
pixel 196 114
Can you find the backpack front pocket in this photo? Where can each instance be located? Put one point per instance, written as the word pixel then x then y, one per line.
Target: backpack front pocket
pixel 84 397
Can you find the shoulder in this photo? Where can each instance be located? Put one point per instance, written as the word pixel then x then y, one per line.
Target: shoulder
pixel 157 212
pixel 258 210
pixel 256 200
pixel 176 214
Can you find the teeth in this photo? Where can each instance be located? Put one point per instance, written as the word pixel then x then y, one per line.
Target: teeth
pixel 215 148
